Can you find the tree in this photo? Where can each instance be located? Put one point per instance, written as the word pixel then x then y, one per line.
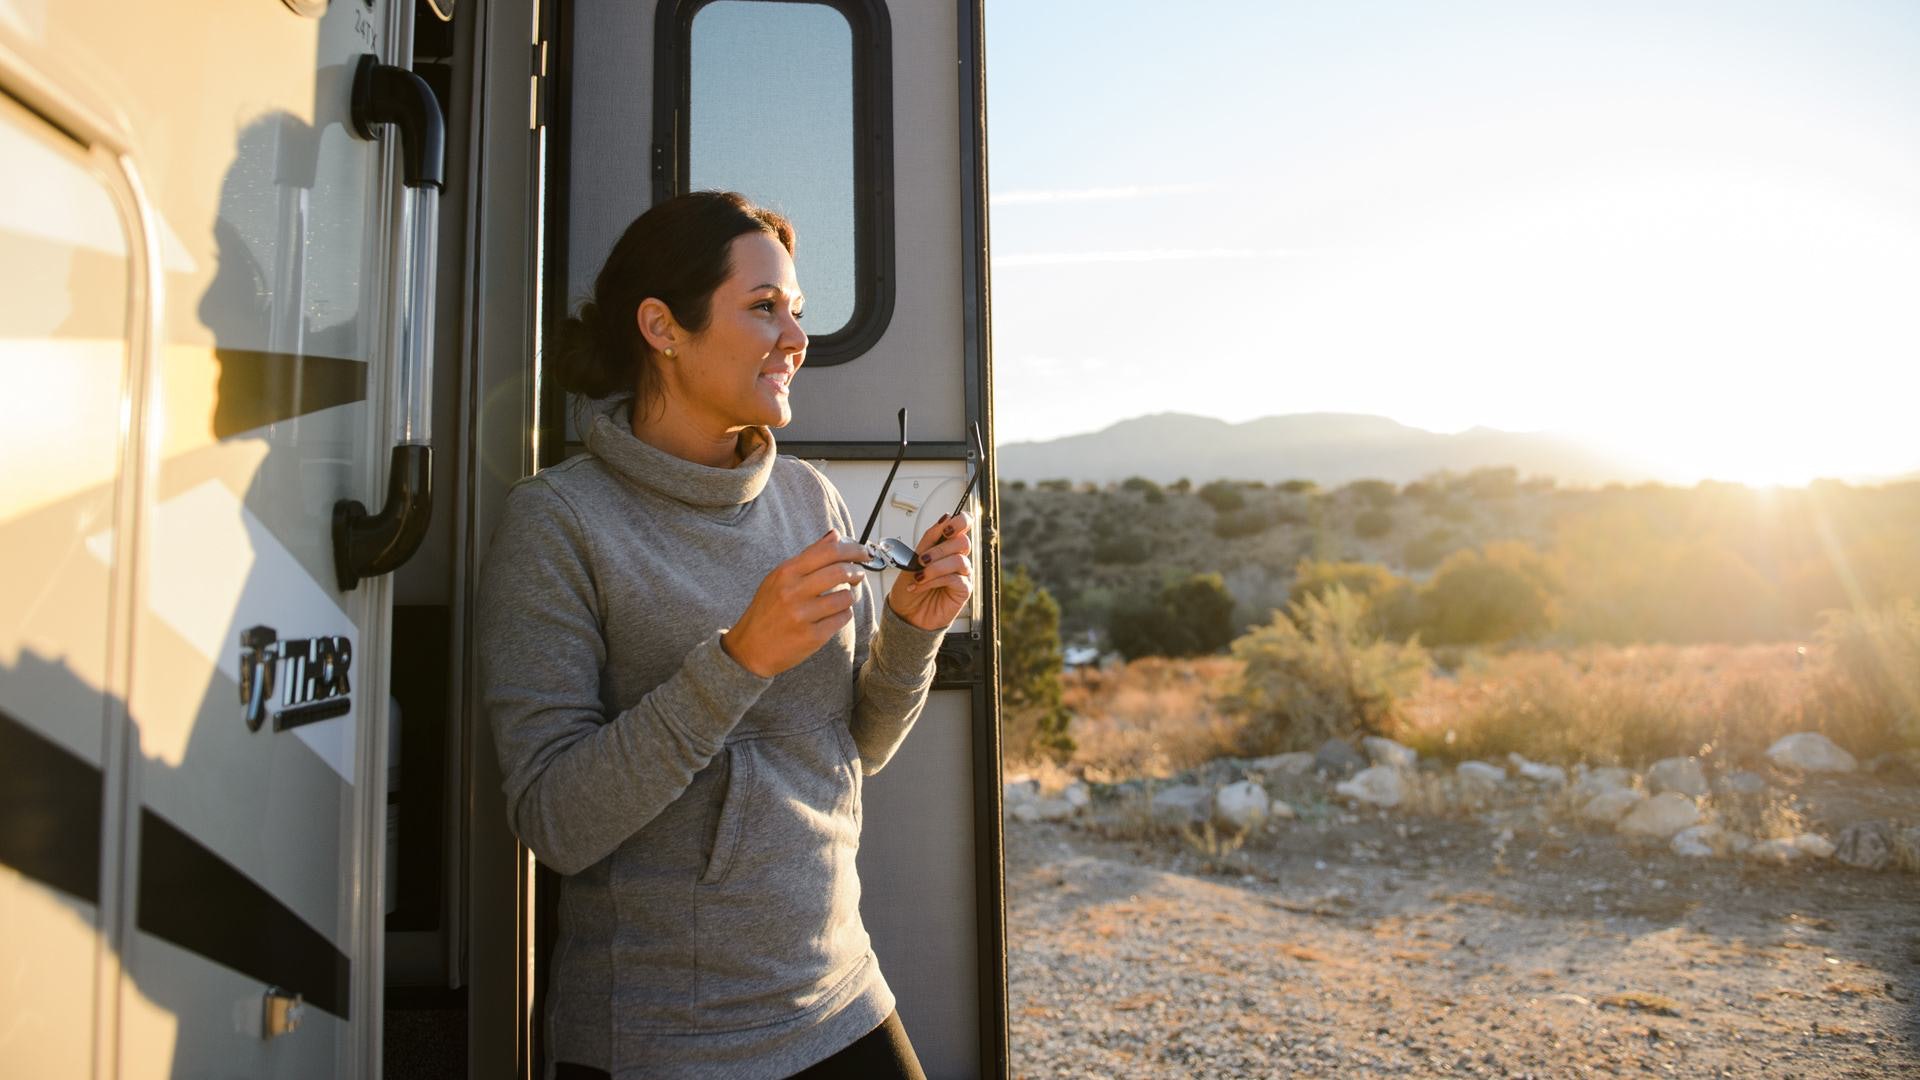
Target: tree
pixel 1193 617
pixel 1032 721
pixel 1503 592
pixel 1223 495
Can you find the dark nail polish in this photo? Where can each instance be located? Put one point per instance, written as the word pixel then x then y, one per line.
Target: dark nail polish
pixel 943 517
pixel 919 575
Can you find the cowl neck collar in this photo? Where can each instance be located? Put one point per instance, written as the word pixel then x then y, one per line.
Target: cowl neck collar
pixel 610 437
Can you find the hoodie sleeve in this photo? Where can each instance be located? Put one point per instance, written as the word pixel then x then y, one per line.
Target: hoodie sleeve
pixel 893 662
pixel 578 782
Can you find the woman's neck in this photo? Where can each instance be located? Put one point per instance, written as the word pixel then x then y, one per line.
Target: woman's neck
pixel 683 436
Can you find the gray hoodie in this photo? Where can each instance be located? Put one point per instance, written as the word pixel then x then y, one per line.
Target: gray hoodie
pixel 707 819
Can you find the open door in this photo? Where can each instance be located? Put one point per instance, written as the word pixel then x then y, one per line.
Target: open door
pixel 862 120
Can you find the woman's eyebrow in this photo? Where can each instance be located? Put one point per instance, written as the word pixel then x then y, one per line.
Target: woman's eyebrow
pixel 779 289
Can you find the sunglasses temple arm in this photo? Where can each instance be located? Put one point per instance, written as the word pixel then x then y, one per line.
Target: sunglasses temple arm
pixel 888 485
pixel 980 463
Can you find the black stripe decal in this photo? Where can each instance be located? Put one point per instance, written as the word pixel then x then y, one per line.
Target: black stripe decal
pixel 259 388
pixel 49 811
pixel 195 899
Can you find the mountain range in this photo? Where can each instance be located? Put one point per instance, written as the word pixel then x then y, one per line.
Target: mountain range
pixel 1327 448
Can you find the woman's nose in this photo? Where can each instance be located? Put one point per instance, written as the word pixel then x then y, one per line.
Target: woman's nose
pixel 792 338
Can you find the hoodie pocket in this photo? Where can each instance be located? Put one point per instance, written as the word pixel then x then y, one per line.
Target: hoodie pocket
pixel 850 761
pixel 733 815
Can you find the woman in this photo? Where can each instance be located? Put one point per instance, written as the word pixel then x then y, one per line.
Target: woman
pixel 688 675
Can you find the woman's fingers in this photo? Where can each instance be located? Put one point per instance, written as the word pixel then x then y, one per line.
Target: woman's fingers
pixel 940 570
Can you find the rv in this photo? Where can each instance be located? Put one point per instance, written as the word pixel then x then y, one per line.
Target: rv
pixel 278 275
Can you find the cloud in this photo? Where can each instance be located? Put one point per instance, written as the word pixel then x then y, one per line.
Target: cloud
pixel 1143 255
pixel 1096 194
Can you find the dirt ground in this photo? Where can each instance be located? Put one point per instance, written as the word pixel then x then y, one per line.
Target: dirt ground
pixel 1390 944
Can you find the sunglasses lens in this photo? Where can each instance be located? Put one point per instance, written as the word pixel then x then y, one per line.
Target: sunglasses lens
pixel 876 557
pixel 898 553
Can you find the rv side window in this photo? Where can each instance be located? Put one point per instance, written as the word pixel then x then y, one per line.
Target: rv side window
pixel 779 101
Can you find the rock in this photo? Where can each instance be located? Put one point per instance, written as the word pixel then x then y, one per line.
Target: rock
pixel 1298 763
pixel 1591 782
pixel 1779 852
pixel 1042 810
pixel 1867 845
pixel 1739 843
pixel 1336 760
pixel 1814 844
pixel 1902 768
pixel 1810 751
pixel 1480 776
pixel 1540 774
pixel 1076 794
pixel 1019 791
pixel 1681 774
pixel 1741 782
pixel 1380 785
pixel 1387 752
pixel 1906 849
pixel 1608 807
pixel 1280 811
pixel 1699 841
pixel 1242 806
pixel 1182 804
pixel 1661 816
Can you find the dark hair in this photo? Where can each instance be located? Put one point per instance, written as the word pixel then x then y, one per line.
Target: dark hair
pixel 678 253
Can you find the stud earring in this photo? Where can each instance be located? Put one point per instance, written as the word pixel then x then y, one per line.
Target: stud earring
pixel 669 354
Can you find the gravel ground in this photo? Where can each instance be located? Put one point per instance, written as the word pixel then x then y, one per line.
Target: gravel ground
pixel 1369 945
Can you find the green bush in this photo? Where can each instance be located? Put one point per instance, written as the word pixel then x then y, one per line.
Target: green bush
pixel 1299 487
pixel 1426 551
pixel 1371 524
pixel 1056 485
pixel 1181 486
pixel 1223 496
pixel 1477 598
pixel 1121 549
pixel 1193 617
pixel 1375 493
pixel 1314 578
pixel 1033 723
pixel 1319 671
pixel 1140 484
pixel 1247 521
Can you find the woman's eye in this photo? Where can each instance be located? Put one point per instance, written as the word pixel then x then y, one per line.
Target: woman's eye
pixel 764 305
pixel 798 315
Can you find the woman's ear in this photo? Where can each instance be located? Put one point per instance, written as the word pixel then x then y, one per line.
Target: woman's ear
pixel 658 326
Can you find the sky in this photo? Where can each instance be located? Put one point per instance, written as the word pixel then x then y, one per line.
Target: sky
pixel 1687 229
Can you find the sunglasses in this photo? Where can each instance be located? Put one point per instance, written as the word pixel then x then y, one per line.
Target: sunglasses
pixel 895 552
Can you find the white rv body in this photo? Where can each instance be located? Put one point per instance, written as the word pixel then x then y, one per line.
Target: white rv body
pixel 202 356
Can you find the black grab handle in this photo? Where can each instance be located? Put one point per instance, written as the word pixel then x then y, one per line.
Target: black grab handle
pixel 385 94
pixel 368 545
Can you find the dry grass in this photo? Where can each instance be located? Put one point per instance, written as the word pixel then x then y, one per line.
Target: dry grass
pixel 1610 705
pixel 1598 704
pixel 1151 717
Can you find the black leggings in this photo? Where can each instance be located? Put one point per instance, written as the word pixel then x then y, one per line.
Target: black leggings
pixel 881 1054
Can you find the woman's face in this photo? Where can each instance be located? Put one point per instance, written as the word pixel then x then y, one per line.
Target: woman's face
pixel 736 371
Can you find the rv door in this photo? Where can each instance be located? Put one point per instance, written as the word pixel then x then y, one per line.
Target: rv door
pixel 862 120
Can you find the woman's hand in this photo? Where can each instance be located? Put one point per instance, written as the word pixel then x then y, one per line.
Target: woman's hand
pixel 797 607
pixel 931 598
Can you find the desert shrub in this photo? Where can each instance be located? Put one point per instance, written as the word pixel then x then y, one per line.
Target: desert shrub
pixel 1298 487
pixel 1290 515
pixel 1425 551
pixel 1033 723
pixel 1318 671
pixel 1459 511
pixel 1496 595
pixel 1223 495
pixel 1871 680
pixel 1192 617
pixel 1019 485
pixel 1378 494
pixel 1055 485
pixel 1617 706
pixel 1121 549
pixel 1246 521
pixel 1370 524
pixel 1140 485
pixel 1181 486
pixel 1316 577
pixel 1493 482
pixel 1417 489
